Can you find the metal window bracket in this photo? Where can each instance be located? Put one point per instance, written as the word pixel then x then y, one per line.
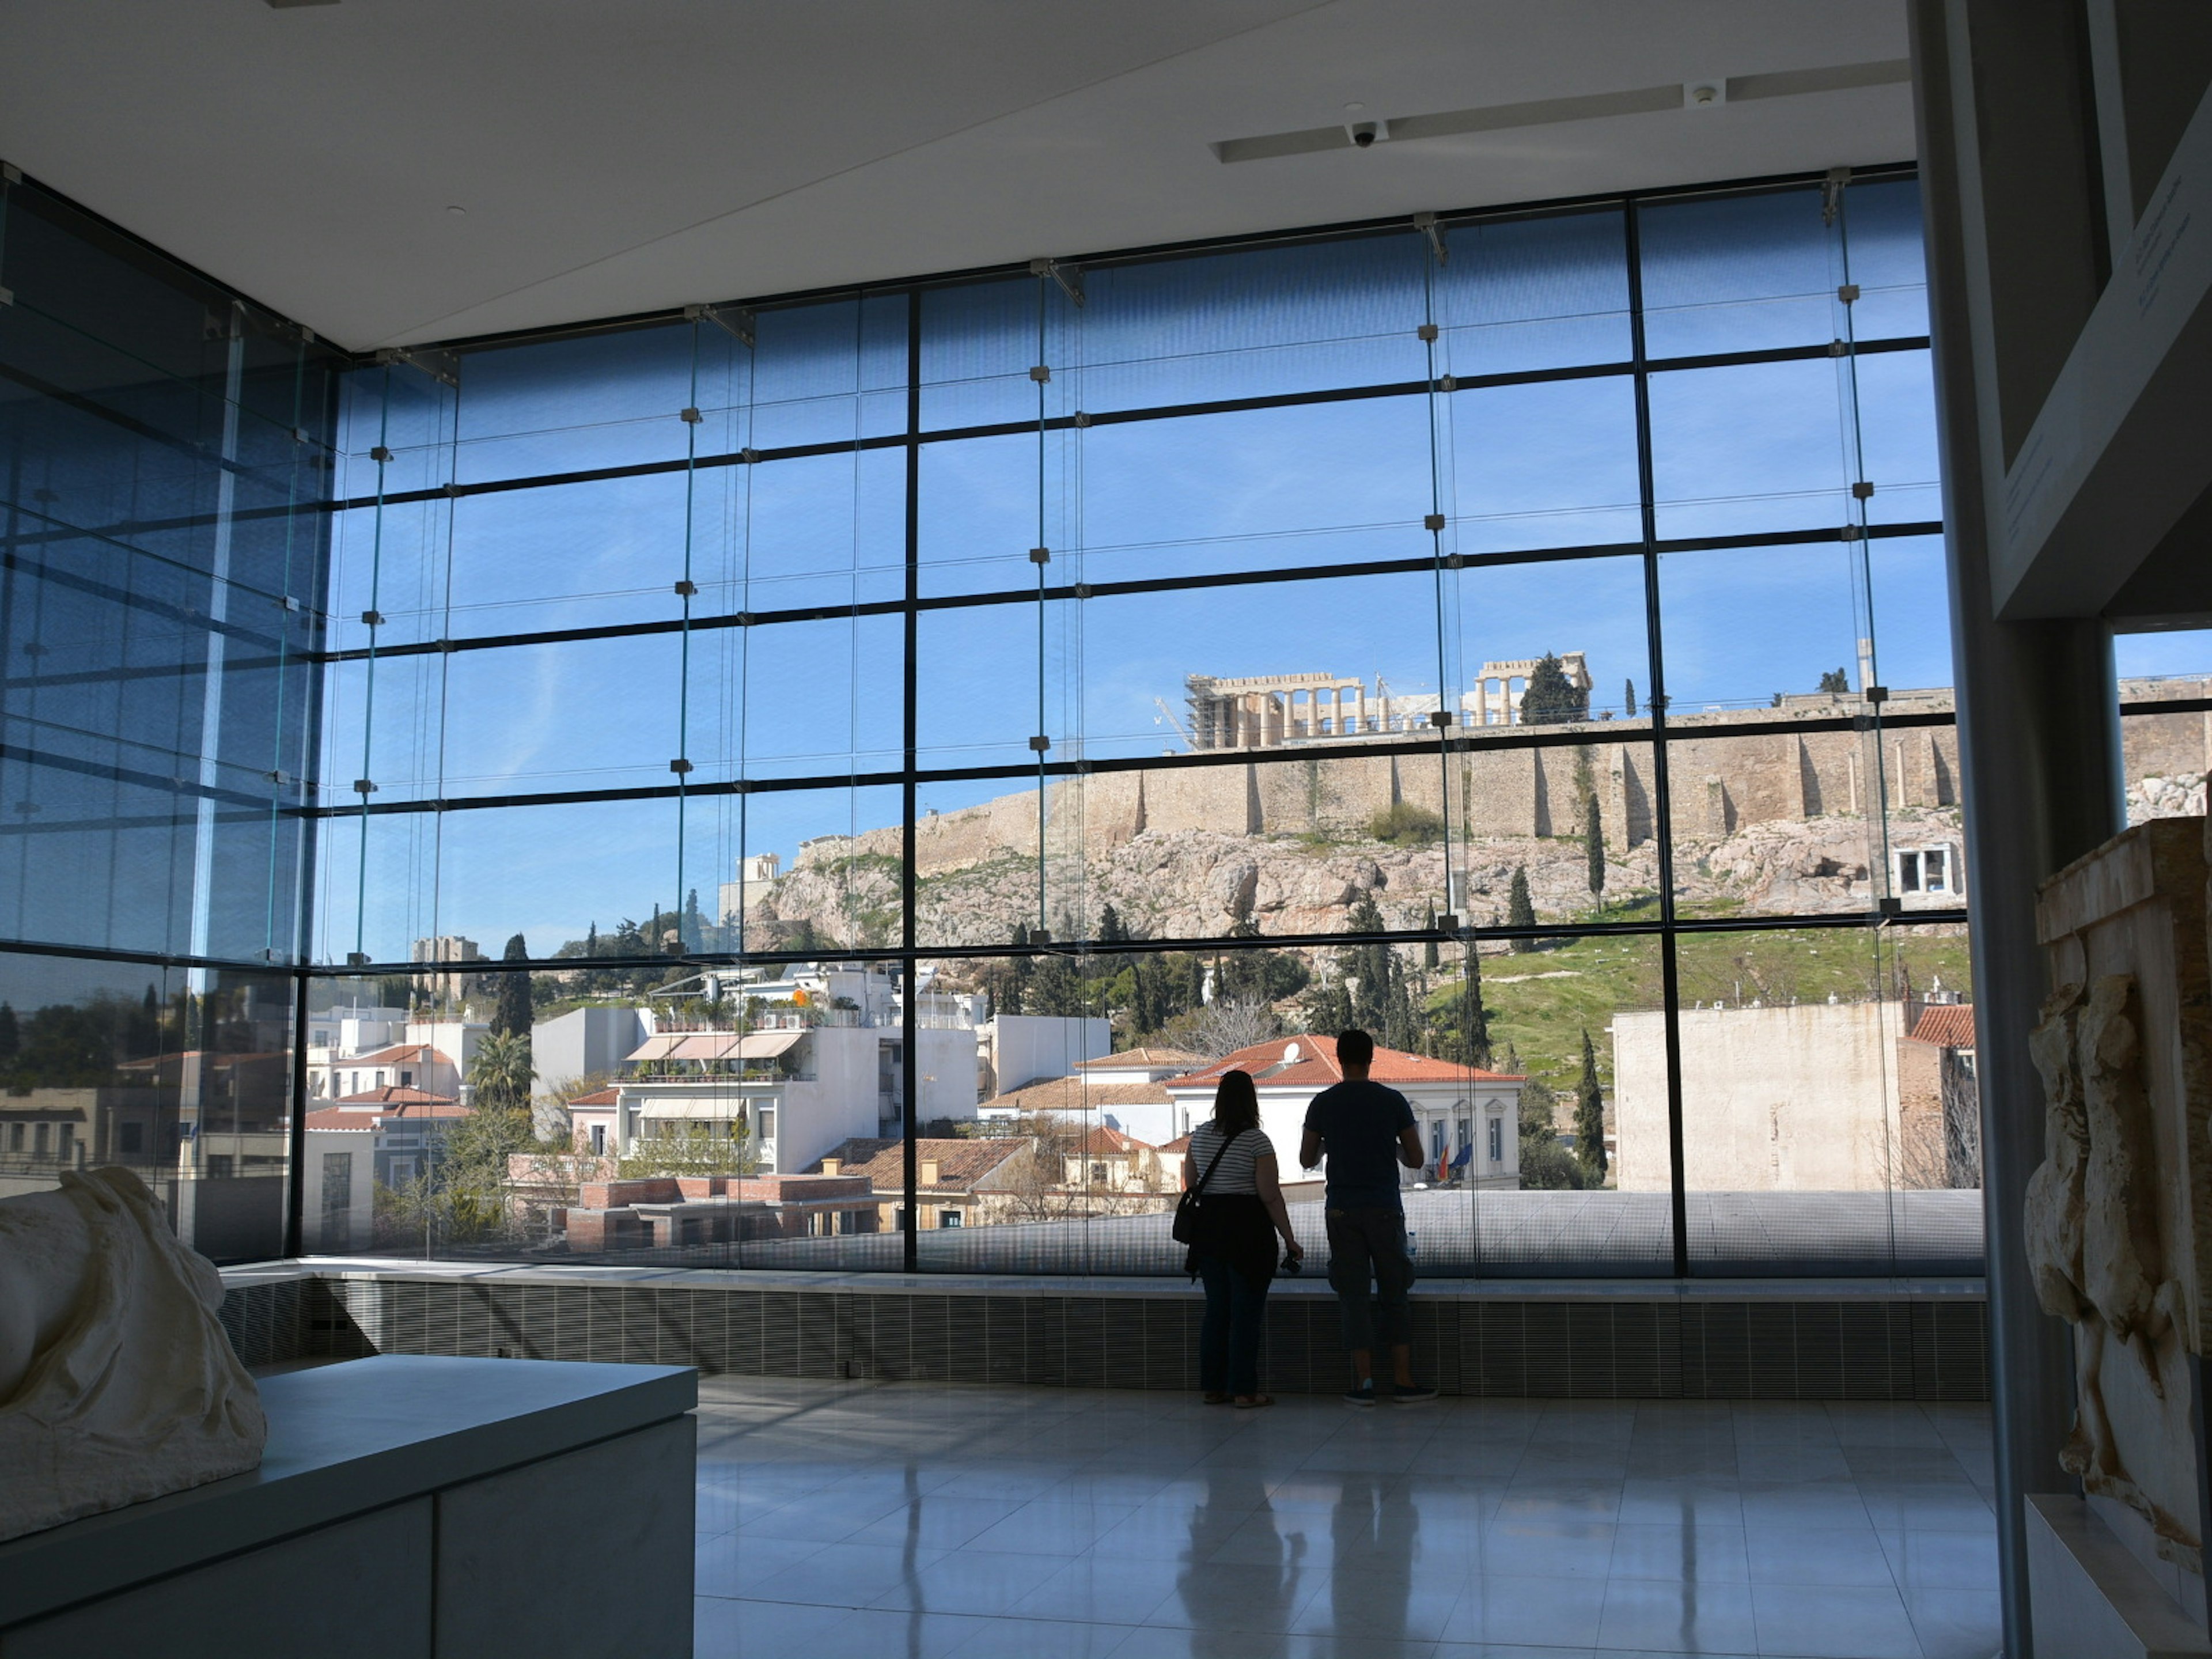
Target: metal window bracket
pixel 749 456
pixel 363 787
pixel 1433 521
pixel 1440 718
pixel 1862 490
pixel 1039 743
pixel 1877 693
pixel 1853 533
pixel 689 416
pixel 1082 590
pixel 736 322
pixel 1040 556
pixel 1040 373
pixel 1455 561
pixel 1448 383
pixel 1848 293
pixel 1892 906
pixel 1831 193
pixel 1427 331
pixel 1082 419
pixel 442 367
pixel 1070 278
pixel 679 767
pixel 1838 349
pixel 289 604
pixel 450 489
pixel 1426 224
pixel 1447 923
pixel 379 453
pixel 687 588
pixel 280 778
pixel 372 618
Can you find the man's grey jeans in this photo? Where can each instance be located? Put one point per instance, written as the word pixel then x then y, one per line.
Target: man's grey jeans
pixel 1364 1246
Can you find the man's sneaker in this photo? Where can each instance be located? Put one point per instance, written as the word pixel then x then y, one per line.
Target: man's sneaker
pixel 1361 1394
pixel 1412 1394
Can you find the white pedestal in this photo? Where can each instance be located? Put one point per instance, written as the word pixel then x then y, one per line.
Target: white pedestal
pixel 2091 1599
pixel 406 1508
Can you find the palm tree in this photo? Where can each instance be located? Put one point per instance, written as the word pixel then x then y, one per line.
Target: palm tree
pixel 502 1074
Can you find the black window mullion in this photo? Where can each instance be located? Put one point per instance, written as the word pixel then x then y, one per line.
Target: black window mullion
pixel 910 1072
pixel 1662 795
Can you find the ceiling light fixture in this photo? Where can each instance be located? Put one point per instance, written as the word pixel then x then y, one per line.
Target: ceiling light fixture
pixel 455 210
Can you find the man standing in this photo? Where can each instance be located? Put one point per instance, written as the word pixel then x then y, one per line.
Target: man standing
pixel 1367 1131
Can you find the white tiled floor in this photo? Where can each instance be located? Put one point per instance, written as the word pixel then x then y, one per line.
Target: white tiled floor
pixel 851 1519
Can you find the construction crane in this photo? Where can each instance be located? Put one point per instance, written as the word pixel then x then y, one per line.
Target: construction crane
pixel 1168 715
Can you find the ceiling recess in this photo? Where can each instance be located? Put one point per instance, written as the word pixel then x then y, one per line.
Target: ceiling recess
pixel 1546 112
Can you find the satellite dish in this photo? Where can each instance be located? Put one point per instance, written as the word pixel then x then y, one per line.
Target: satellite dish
pixel 1290 1053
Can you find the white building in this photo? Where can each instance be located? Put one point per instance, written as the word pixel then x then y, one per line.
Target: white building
pixel 823 1061
pixel 386 1136
pixel 1468 1119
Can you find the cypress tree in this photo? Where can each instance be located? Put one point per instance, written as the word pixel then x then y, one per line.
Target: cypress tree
pixel 1629 707
pixel 511 1016
pixel 1520 911
pixel 1589 1118
pixel 1429 958
pixel 1594 845
pixel 1549 697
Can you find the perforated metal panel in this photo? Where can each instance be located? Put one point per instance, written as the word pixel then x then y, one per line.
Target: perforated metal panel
pixel 1837 1347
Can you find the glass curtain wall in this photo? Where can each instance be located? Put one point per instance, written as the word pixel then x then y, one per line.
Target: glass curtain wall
pixel 862 766
pixel 164 457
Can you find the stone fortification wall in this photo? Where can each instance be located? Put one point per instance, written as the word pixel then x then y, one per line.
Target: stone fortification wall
pixel 1720 786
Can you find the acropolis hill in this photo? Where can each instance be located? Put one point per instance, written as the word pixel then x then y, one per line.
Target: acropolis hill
pixel 1264 815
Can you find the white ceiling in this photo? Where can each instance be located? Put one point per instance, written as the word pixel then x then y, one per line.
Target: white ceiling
pixel 624 157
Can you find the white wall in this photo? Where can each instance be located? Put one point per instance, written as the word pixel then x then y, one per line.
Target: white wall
pixel 944 1066
pixel 1798 1099
pixel 582 1042
pixel 1024 1047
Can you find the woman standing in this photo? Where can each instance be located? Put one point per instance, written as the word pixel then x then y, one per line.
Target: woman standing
pixel 1231 1165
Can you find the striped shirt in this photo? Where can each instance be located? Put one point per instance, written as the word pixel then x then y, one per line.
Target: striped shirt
pixel 1234 1175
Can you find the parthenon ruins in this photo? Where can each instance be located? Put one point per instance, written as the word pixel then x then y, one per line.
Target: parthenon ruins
pixel 1271 711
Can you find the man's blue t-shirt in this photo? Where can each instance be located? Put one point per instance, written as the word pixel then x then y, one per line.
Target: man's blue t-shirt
pixel 1359 1124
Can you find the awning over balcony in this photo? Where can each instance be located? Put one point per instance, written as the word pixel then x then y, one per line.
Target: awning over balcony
pixel 707 1046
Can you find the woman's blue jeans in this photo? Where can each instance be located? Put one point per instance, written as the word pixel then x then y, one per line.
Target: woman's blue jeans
pixel 1228 1339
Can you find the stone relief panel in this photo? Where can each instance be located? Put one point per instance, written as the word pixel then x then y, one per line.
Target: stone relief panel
pixel 2112 1228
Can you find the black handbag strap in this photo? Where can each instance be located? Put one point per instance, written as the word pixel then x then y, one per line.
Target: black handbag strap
pixel 1214 1162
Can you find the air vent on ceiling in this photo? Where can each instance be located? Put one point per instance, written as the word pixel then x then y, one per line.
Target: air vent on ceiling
pixel 286 5
pixel 1545 111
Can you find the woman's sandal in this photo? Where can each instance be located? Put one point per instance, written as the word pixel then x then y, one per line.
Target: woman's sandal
pixel 1215 1399
pixel 1252 1402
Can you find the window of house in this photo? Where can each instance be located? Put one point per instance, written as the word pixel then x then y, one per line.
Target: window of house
pixel 1097 1174
pixel 598 1139
pixel 68 1141
pixel 1498 1140
pixel 1924 869
pixel 219 1165
pixel 42 1138
pixel 948 1218
pixel 14 1137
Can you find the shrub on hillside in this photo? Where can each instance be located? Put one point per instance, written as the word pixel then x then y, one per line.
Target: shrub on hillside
pixel 1406 824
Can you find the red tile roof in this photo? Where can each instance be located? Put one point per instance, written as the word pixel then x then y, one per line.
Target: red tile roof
pixel 1151 1059
pixel 1075 1094
pixel 1180 1144
pixel 1946 1024
pixel 394 1095
pixel 422 1053
pixel 598 1097
pixel 1309 1060
pixel 1104 1141
pixel 960 1163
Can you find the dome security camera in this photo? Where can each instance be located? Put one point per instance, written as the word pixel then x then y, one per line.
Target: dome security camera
pixel 1363 134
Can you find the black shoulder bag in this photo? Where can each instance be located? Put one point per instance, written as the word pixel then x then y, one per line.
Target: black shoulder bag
pixel 1192 1224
